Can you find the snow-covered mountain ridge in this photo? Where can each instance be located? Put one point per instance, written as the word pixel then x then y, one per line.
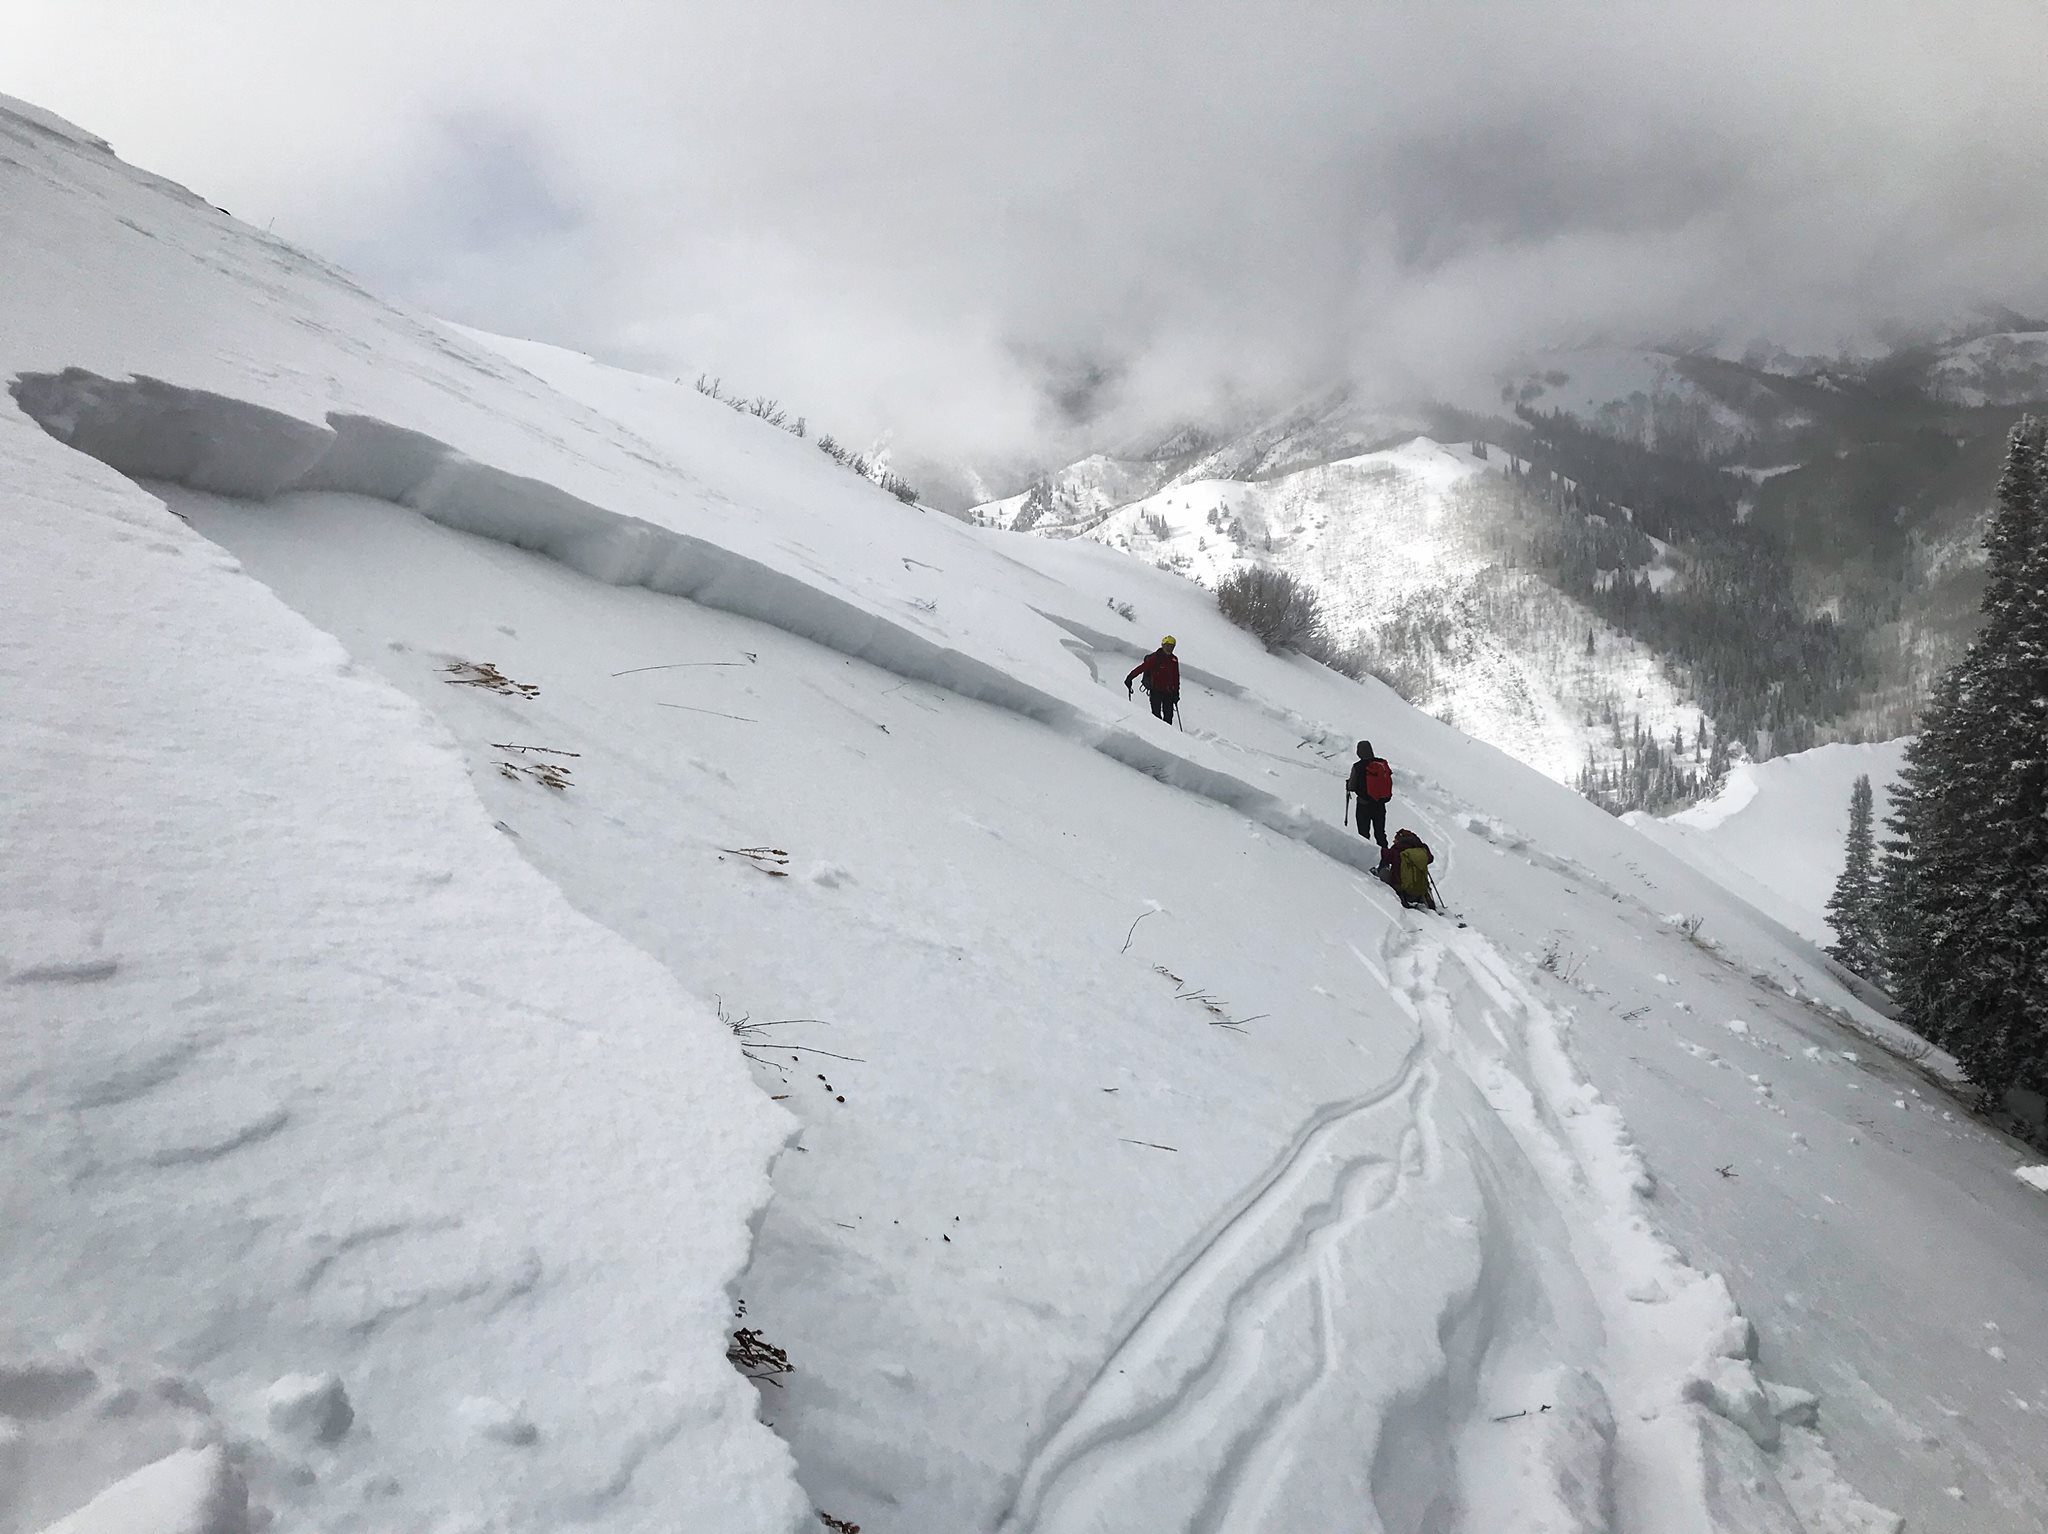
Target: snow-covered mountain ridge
pixel 450 771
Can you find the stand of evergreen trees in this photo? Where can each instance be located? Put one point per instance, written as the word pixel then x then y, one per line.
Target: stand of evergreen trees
pixel 1961 905
pixel 1648 774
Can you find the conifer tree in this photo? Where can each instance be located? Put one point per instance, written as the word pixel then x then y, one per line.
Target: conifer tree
pixel 1852 909
pixel 1898 873
pixel 1965 887
pixel 1717 760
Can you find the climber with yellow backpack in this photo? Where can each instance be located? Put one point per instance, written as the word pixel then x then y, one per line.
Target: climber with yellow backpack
pixel 1404 867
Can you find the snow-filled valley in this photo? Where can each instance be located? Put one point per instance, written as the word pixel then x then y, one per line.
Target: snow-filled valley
pixel 518 873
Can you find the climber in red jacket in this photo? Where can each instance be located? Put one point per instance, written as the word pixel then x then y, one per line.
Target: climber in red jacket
pixel 1162 680
pixel 1372 780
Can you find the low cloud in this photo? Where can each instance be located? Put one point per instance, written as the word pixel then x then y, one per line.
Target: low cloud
pixel 971 222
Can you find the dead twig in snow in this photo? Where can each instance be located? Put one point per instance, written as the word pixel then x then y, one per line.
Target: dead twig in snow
pixel 757 1358
pixel 1134 929
pixel 772 861
pixel 475 673
pixel 714 713
pixel 500 745
pixel 553 775
pixel 681 665
pixel 1152 1144
pixel 1511 1416
pixel 751 1038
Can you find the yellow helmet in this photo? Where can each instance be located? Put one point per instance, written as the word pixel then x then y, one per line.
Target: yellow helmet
pixel 1166 643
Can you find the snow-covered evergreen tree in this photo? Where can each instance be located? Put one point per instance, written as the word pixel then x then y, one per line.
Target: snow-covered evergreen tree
pixel 1852 909
pixel 1966 881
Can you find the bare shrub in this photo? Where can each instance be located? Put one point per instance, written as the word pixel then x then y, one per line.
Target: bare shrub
pixel 1283 611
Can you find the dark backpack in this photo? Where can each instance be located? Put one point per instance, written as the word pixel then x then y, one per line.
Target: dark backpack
pixel 1379 779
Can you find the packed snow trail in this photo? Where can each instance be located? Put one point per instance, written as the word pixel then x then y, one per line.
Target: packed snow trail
pixel 1664 1324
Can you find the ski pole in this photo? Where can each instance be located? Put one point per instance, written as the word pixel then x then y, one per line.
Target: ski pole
pixel 1347 806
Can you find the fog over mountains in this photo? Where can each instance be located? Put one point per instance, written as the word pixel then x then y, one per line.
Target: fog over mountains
pixel 979 228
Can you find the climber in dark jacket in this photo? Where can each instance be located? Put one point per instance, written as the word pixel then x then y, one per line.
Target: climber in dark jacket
pixel 1373 781
pixel 1162 679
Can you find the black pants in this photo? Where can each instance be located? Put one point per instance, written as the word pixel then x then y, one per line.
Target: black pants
pixel 1163 704
pixel 1372 819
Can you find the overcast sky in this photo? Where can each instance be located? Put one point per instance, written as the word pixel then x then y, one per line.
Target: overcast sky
pixel 937 215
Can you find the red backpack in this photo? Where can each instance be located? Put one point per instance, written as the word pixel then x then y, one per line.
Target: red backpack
pixel 1379 779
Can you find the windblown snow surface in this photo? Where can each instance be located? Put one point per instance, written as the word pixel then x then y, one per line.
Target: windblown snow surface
pixel 444 774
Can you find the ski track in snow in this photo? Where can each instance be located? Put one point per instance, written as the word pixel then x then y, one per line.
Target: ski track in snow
pixel 1202 1410
pixel 1198 1341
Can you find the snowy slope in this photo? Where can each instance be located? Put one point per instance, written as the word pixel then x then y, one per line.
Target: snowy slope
pixel 1075 498
pixel 1153 1171
pixel 1774 833
pixel 2006 368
